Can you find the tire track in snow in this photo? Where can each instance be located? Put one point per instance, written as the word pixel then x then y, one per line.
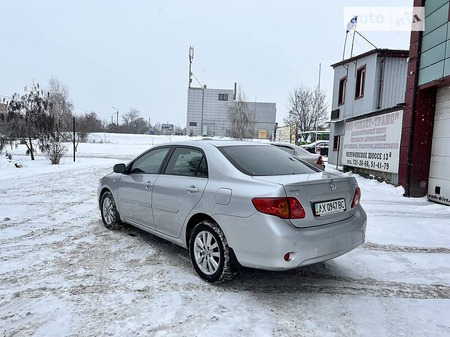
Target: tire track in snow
pixel 314 284
pixel 404 249
pixel 317 283
pixel 303 280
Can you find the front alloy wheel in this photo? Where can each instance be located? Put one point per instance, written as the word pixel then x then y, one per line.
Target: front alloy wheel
pixel 209 252
pixel 110 215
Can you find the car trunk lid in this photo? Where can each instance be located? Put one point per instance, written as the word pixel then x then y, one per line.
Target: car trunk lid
pixel 325 197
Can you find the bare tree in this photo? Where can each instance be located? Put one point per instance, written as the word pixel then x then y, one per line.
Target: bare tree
pixel 129 120
pixel 84 124
pixel 157 128
pixel 308 110
pixel 242 121
pixel 139 125
pixel 61 108
pixel 4 125
pixel 88 123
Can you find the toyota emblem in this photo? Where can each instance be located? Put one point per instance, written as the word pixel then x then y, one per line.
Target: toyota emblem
pixel 332 185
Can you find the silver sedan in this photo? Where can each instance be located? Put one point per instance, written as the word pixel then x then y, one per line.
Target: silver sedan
pixel 302 154
pixel 235 204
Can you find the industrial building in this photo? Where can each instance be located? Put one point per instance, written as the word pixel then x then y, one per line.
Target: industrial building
pixel 208 113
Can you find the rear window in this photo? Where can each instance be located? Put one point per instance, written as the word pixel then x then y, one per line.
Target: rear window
pixel 255 160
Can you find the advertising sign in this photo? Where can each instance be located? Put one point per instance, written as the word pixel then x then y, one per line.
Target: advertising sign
pixel 168 127
pixel 262 134
pixel 373 143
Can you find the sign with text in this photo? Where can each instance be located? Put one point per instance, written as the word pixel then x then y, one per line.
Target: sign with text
pixel 168 127
pixel 373 143
pixel 392 19
pixel 262 134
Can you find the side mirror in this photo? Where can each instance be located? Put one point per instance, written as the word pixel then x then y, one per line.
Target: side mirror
pixel 119 168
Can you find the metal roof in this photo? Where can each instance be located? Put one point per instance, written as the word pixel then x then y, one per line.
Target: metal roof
pixel 379 52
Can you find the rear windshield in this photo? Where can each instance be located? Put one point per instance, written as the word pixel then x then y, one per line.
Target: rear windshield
pixel 255 160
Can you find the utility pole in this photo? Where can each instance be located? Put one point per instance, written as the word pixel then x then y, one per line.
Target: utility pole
pixel 74 146
pixel 317 108
pixel 117 111
pixel 191 58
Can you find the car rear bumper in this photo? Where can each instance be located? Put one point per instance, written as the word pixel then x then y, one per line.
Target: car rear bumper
pixel 261 241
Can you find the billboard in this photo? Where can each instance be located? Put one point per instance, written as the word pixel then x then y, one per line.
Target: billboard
pixel 373 143
pixel 168 127
pixel 262 134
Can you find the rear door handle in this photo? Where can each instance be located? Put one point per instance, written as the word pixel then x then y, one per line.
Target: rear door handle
pixel 192 189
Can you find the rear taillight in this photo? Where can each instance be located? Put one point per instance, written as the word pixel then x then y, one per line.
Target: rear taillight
pixel 286 208
pixel 356 197
pixel 319 161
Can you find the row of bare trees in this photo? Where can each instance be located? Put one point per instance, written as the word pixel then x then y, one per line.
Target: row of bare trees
pixel 44 119
pixel 308 111
pixel 47 116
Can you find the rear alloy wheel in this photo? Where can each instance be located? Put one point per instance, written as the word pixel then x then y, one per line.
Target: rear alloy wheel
pixel 110 215
pixel 209 252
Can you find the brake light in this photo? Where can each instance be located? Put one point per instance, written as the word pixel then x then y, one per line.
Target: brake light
pixel 356 197
pixel 319 161
pixel 286 208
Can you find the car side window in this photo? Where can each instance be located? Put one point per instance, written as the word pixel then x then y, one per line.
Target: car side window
pixel 187 162
pixel 286 149
pixel 150 162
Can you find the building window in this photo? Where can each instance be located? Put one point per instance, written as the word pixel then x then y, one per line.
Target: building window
pixel 223 97
pixel 336 141
pixel 192 123
pixel 360 80
pixel 335 114
pixel 342 86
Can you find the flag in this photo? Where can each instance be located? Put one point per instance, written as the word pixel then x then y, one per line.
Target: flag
pixel 352 23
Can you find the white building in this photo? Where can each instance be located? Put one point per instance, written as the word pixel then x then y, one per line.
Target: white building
pixel 207 113
pixel 367 112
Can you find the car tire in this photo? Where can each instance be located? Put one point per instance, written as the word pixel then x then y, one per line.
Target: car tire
pixel 210 253
pixel 110 215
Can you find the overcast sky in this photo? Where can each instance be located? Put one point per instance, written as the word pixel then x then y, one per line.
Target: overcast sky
pixel 134 54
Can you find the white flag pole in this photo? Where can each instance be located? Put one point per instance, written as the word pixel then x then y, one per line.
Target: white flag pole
pixel 351 25
pixel 353 42
pixel 345 43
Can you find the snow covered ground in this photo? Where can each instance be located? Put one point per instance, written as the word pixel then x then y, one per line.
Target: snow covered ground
pixel 63 274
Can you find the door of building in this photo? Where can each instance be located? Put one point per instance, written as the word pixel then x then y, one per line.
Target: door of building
pixel 439 179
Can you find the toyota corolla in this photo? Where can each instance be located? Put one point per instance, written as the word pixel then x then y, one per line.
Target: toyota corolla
pixel 233 204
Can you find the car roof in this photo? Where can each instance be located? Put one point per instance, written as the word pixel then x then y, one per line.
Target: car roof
pixel 283 144
pixel 205 143
pixel 293 146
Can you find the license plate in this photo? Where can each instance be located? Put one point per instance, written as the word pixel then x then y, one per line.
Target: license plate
pixel 329 207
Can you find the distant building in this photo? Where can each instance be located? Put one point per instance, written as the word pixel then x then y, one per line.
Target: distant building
pixel 425 141
pixel 265 116
pixel 207 113
pixel 367 112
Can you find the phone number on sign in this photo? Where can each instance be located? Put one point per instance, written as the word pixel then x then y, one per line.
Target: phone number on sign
pixel 370 164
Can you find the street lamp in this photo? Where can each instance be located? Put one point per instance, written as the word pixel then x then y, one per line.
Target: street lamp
pixel 149 124
pixel 117 111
